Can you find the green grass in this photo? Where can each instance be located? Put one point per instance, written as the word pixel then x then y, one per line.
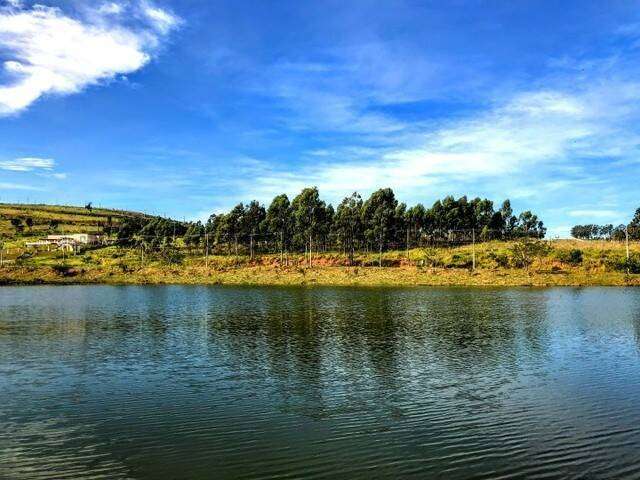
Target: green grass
pixel 422 266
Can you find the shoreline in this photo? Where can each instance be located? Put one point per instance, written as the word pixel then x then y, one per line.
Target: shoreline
pixel 317 276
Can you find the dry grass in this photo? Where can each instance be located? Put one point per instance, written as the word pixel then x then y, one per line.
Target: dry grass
pixel 441 266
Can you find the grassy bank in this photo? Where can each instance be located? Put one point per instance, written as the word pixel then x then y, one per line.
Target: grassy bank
pixel 597 263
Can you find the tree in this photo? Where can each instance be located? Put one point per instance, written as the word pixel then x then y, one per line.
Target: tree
pixel 606 231
pixel 309 215
pixel 53 224
pixel 634 226
pixel 211 231
pixel 509 221
pixel 128 228
pixel 415 220
pixel 378 214
pixel 400 230
pixel 89 206
pixel 619 233
pixel 348 223
pixel 279 221
pixel 29 222
pixel 530 226
pixel 252 221
pixel 233 223
pixel 193 235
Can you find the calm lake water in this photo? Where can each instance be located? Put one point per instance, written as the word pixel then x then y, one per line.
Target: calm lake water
pixel 180 382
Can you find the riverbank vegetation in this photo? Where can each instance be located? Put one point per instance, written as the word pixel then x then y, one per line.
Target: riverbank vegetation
pixel 306 241
pixel 517 262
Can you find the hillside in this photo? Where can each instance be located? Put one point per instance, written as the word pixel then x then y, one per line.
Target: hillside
pixel 69 219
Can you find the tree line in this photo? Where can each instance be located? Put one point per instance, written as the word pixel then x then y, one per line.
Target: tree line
pixel 309 224
pixel 609 232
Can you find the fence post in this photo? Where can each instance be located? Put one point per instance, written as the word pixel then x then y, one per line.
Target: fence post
pixel 473 241
pixel 206 249
pixel 626 231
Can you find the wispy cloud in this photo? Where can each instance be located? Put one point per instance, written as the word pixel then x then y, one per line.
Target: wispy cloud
pixel 27 164
pixel 534 134
pixel 17 186
pixel 47 51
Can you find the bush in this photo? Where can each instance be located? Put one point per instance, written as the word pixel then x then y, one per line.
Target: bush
pixel 429 257
pixel 571 257
pixel 501 259
pixel 632 265
pixel 526 250
pixel 64 270
pixel 171 255
pixel 460 260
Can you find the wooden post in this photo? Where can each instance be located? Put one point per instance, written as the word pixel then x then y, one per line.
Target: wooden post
pixel 473 248
pixel 206 249
pixel 626 231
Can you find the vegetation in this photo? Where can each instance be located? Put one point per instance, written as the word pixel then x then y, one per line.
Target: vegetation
pixel 309 225
pixel 608 232
pixel 306 241
pixel 44 219
pixel 497 263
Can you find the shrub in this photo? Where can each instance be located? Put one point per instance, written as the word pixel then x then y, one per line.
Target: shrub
pixel 501 259
pixel 64 270
pixel 429 257
pixel 460 260
pixel 526 250
pixel 631 265
pixel 571 257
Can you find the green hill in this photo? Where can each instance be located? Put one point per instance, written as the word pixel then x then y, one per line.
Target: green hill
pixel 57 219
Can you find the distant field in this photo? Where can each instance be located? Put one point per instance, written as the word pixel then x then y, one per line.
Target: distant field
pixel 70 219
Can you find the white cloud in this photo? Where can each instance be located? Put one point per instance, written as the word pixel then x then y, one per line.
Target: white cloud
pixel 531 144
pixel 160 19
pixel 595 213
pixel 16 186
pixel 27 164
pixel 46 51
pixel 110 8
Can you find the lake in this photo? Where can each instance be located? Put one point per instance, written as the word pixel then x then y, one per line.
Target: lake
pixel 190 382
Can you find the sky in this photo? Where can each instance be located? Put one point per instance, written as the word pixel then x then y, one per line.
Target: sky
pixel 186 107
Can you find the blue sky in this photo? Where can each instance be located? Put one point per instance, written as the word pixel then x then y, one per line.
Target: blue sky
pixel 186 107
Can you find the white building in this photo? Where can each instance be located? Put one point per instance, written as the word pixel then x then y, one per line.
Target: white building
pixel 68 241
pixel 77 238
